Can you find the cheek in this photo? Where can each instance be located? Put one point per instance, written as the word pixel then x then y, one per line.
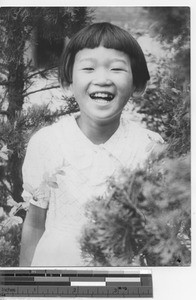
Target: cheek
pixel 76 87
pixel 126 86
pixel 79 82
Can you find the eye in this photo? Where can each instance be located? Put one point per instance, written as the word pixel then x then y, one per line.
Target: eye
pixel 88 69
pixel 118 69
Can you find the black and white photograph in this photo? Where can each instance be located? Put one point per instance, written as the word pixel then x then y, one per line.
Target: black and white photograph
pixel 95 167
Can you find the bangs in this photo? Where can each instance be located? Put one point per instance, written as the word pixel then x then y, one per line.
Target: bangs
pixel 106 35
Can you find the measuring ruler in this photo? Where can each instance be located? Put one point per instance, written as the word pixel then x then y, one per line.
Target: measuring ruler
pixel 75 283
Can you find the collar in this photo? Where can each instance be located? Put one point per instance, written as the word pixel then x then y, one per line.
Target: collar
pixel 80 151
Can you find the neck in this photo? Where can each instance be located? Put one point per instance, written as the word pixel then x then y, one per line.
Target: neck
pixel 97 132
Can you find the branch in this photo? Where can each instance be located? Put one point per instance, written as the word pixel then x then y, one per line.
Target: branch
pixel 40 72
pixel 43 89
pixel 29 85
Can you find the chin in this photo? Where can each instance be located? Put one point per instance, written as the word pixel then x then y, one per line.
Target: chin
pixel 106 117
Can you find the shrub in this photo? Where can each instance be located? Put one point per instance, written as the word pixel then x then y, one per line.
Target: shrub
pixel 145 220
pixel 10 236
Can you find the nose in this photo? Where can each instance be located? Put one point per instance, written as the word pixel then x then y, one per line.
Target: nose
pixel 102 77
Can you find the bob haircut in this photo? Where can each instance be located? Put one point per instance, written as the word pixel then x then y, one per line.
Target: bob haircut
pixel 109 36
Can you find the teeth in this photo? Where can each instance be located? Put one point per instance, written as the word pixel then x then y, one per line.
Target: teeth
pixel 103 96
pixel 101 101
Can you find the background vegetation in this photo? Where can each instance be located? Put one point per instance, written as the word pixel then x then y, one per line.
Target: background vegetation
pixel 147 218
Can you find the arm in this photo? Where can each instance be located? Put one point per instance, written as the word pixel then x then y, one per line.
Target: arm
pixel 33 228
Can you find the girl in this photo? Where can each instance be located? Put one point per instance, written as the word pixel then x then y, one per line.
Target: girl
pixel 69 162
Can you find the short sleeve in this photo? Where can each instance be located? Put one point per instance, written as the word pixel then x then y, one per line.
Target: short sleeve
pixel 34 171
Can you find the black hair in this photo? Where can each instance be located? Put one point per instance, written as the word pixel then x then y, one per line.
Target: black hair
pixel 109 36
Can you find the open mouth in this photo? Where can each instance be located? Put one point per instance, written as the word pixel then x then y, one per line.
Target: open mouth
pixel 102 97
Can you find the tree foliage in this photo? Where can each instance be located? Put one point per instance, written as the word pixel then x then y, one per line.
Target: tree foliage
pixel 145 220
pixel 171 22
pixel 172 25
pixel 18 25
pixel 166 102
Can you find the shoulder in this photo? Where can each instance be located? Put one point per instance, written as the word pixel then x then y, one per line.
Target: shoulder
pixel 45 146
pixel 135 127
pixel 49 134
pixel 145 139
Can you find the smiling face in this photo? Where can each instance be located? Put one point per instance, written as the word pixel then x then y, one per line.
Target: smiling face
pixel 102 83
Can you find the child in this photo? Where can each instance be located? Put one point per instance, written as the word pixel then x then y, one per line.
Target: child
pixel 69 162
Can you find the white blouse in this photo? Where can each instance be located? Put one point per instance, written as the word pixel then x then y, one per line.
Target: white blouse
pixel 63 170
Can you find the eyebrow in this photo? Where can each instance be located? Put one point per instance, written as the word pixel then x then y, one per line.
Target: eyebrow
pixel 86 59
pixel 111 61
